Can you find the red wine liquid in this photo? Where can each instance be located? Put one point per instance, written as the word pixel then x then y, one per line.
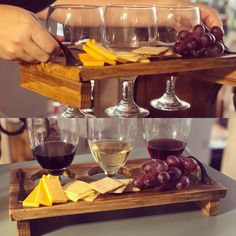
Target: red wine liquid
pixel 162 148
pixel 54 156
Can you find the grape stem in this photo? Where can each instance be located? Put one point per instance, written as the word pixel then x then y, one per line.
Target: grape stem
pixel 204 176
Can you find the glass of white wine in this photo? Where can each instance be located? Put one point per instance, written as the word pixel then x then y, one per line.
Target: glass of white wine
pixel 111 142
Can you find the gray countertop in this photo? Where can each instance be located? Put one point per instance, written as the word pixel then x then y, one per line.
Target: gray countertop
pixel 177 220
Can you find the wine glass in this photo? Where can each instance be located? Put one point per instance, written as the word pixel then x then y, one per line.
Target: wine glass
pixel 129 27
pixel 111 142
pixel 75 24
pixel 171 20
pixel 165 137
pixel 53 142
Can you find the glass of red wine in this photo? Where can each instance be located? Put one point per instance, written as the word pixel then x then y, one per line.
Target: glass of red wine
pixel 53 142
pixel 165 137
pixel 172 20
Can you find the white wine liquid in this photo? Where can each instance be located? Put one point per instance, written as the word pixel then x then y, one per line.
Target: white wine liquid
pixel 111 154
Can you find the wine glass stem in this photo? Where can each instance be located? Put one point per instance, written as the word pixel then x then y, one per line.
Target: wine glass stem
pixel 127 90
pixel 110 174
pixel 170 85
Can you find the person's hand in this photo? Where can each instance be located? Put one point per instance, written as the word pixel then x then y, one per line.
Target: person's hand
pixel 209 16
pixel 22 37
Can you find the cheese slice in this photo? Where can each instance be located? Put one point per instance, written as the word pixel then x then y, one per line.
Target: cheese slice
pixel 31 201
pixel 87 60
pixel 91 198
pixel 98 56
pixel 76 190
pixel 80 188
pixel 54 190
pixel 52 176
pixel 99 48
pixel 42 197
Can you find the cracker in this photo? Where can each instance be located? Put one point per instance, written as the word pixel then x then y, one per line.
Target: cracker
pixel 150 50
pixel 122 188
pixel 105 185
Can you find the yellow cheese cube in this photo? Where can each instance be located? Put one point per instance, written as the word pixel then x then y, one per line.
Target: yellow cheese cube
pixel 54 190
pixel 30 201
pixel 42 197
pixel 98 56
pixel 87 60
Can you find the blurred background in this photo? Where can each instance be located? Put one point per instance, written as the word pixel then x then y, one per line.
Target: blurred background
pixel 16 102
pixel 211 140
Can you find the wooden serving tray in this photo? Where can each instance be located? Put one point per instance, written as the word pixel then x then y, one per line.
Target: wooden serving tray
pixel 207 197
pixel 70 85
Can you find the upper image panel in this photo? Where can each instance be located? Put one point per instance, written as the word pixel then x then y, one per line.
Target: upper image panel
pixel 160 59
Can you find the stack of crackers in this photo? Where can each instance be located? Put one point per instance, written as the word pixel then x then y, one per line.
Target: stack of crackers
pixel 144 54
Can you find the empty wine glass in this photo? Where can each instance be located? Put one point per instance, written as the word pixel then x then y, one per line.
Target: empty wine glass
pixel 171 20
pixel 53 142
pixel 111 142
pixel 165 137
pixel 129 27
pixel 75 24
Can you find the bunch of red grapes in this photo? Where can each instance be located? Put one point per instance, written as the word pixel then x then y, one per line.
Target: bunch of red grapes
pixel 174 171
pixel 201 42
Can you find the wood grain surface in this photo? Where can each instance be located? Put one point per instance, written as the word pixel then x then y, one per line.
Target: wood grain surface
pixel 151 197
pixel 160 66
pixel 61 89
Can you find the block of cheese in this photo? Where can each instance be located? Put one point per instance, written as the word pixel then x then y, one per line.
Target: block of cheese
pixel 54 190
pixel 98 56
pixel 76 190
pixel 87 60
pixel 42 196
pixel 31 201
pixel 99 48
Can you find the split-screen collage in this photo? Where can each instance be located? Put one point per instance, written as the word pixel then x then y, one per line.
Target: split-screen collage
pixel 117 117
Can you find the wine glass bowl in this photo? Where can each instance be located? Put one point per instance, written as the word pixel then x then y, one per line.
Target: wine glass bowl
pixel 172 20
pixel 165 137
pixel 53 142
pixel 129 27
pixel 111 142
pixel 75 23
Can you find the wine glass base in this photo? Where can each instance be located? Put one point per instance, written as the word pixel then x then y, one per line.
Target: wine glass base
pixel 169 103
pixel 116 112
pixel 103 175
pixel 77 113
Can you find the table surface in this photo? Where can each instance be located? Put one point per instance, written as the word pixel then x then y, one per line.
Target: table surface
pixel 178 219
